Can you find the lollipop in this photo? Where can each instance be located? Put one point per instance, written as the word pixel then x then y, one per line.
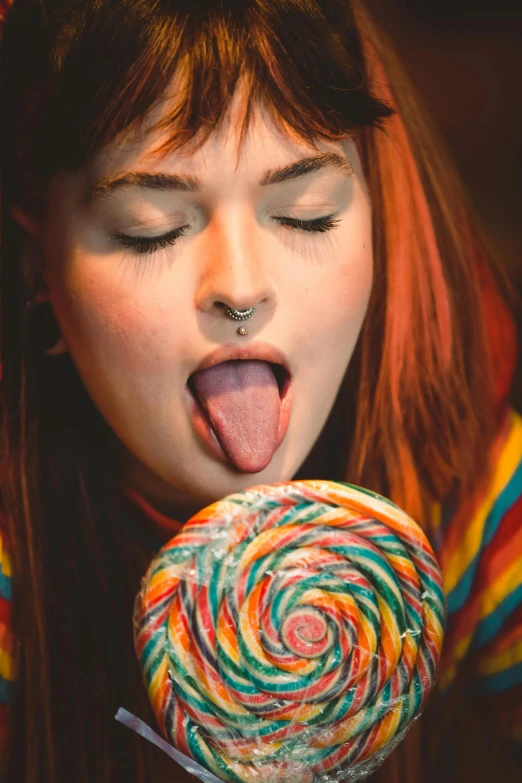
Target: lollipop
pixel 291 632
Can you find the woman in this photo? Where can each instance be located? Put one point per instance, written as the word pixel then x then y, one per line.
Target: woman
pixel 169 169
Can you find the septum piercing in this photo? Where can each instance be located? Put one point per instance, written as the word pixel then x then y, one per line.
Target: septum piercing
pixel 240 315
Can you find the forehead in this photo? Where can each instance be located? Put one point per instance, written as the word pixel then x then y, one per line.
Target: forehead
pixel 266 142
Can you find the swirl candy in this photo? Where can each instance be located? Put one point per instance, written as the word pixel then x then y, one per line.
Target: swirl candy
pixel 291 632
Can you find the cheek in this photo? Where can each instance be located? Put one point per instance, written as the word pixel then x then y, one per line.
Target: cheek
pixel 113 316
pixel 335 301
pixel 341 296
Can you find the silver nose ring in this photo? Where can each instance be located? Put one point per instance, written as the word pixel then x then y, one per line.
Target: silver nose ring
pixel 240 315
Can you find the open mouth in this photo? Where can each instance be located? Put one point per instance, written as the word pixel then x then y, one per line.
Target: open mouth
pixel 240 408
pixel 281 375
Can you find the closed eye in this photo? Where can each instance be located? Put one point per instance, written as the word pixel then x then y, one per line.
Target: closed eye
pixel 321 224
pixel 142 245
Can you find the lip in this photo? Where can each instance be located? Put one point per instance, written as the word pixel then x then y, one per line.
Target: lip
pixel 225 353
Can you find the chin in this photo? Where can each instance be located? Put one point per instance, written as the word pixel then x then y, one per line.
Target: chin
pixel 216 480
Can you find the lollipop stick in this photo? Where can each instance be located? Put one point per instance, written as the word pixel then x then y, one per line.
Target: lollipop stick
pixel 137 725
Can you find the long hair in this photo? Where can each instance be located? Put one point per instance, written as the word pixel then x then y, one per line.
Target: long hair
pixel 413 419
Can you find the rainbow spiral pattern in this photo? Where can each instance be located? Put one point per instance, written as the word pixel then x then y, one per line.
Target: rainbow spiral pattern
pixel 291 631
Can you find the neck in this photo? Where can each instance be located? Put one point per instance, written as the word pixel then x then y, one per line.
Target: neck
pixel 165 500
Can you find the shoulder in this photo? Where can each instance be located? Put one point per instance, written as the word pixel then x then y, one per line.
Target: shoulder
pixel 486 522
pixel 6 641
pixel 480 551
pixel 5 564
pixel 7 646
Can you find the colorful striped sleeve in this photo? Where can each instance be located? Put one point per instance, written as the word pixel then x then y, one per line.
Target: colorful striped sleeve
pixel 7 667
pixel 481 557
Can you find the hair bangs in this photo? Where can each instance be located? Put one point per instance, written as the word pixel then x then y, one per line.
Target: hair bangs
pixel 111 64
pixel 263 48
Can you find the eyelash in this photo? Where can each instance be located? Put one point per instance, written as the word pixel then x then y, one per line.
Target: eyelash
pixel 142 245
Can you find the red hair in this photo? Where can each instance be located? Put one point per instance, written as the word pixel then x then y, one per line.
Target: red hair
pixel 426 361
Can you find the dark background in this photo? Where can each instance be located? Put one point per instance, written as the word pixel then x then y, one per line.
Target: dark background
pixel 465 59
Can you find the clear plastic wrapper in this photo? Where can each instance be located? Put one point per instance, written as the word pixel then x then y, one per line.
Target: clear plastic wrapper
pixel 291 633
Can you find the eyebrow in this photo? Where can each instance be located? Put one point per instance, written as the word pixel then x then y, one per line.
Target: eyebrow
pixel 190 184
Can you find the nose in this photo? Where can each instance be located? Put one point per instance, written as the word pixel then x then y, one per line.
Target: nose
pixel 234 272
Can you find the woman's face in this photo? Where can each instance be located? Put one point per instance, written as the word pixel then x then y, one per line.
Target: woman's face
pixel 139 325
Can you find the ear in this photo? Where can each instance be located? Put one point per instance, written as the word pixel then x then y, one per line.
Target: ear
pixel 32 258
pixel 33 270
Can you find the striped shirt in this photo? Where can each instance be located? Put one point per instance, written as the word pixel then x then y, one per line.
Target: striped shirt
pixel 479 549
pixel 7 663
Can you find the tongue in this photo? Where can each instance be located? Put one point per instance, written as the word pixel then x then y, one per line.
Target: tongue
pixel 241 400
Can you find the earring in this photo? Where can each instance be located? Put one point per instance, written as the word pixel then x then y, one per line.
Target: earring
pixel 44 330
